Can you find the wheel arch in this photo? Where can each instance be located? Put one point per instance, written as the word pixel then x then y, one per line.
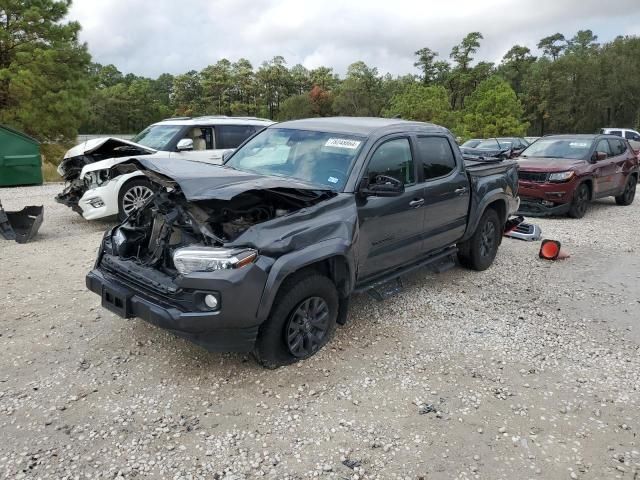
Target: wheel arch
pixel 330 258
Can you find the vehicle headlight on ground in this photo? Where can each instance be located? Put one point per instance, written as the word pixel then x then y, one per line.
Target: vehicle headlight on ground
pixel 560 176
pixel 96 178
pixel 208 259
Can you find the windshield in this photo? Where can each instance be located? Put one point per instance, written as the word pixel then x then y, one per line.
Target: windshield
pixel 316 157
pixel 471 143
pixel 157 136
pixel 569 148
pixel 493 145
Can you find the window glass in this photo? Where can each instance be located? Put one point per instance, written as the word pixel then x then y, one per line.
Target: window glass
pixel 632 136
pixel 231 136
pixel 616 132
pixel 436 156
pixel 207 135
pixel 618 147
pixel 393 159
pixel 323 158
pixel 603 146
pixel 157 136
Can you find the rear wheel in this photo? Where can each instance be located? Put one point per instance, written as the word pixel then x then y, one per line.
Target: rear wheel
pixel 629 192
pixel 580 201
pixel 301 322
pixel 132 196
pixel 480 250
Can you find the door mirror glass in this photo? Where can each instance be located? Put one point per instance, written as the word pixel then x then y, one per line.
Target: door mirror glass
pixel 185 144
pixel 383 186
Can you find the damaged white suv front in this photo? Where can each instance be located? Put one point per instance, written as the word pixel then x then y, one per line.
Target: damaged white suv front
pixel 93 189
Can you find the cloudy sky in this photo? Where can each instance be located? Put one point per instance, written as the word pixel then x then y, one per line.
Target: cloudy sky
pixel 148 37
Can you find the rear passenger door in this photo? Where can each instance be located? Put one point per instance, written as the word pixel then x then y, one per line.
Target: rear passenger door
pixel 605 170
pixel 390 227
pixel 230 137
pixel 619 159
pixel 446 189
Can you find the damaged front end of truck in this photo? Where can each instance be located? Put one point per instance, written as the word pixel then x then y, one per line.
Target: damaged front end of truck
pixel 205 244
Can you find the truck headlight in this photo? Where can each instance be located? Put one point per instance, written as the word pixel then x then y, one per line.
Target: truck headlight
pixel 561 176
pixel 209 259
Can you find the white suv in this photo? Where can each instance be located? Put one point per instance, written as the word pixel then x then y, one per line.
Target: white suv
pixel 203 139
pixel 631 135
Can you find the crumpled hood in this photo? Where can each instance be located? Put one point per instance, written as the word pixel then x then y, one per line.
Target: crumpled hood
pixel 537 164
pixel 90 146
pixel 204 181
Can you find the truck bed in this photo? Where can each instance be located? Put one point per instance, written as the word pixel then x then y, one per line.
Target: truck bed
pixel 488 167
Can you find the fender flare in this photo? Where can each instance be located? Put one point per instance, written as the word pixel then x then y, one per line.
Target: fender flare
pixel 489 198
pixel 295 261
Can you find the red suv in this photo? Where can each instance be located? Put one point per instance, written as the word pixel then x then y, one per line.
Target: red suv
pixel 561 174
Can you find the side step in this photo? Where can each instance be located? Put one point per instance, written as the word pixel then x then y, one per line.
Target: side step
pixel 391 284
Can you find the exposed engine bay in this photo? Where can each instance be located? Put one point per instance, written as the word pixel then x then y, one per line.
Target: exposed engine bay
pixel 169 222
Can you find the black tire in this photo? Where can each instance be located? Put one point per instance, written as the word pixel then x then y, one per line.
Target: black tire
pixel 580 201
pixel 286 327
pixel 130 188
pixel 480 250
pixel 629 192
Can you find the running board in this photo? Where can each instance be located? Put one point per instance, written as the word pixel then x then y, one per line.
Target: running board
pixel 389 285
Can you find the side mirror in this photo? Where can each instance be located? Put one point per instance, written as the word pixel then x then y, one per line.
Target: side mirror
pixel 185 144
pixel 598 156
pixel 384 186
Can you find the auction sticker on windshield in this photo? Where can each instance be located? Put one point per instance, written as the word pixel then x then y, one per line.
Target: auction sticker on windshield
pixel 342 143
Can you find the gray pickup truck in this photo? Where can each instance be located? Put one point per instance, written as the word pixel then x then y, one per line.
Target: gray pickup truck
pixel 262 253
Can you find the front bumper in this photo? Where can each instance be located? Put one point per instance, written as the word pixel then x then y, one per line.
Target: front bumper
pixel 100 202
pixel 545 198
pixel 231 328
pixel 533 207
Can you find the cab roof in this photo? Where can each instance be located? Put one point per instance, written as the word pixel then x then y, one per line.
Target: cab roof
pixel 215 120
pixel 358 125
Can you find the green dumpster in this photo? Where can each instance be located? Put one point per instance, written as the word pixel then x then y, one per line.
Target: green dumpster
pixel 20 161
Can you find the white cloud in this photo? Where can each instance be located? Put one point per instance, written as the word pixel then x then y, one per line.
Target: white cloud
pixel 148 38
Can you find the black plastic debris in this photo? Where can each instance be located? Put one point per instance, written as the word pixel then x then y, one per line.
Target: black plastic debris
pixel 22 225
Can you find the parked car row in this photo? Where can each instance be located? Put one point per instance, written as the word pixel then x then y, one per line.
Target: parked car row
pixel 493 148
pixel 259 248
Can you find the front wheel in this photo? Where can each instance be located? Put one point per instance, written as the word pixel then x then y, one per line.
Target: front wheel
pixel 132 196
pixel 629 192
pixel 480 250
pixel 580 201
pixel 301 322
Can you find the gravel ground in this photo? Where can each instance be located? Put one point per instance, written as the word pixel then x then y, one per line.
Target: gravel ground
pixel 527 370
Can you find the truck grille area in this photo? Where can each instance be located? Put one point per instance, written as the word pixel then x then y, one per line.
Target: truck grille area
pixel 538 177
pixel 154 285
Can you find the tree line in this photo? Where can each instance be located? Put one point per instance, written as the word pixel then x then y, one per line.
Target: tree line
pixel 50 88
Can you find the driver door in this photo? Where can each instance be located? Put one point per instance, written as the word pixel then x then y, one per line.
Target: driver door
pixel 391 228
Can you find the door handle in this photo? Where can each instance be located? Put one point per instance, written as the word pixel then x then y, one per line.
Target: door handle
pixel 418 202
pixel 460 191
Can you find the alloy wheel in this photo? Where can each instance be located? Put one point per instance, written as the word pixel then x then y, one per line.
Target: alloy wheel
pixel 135 198
pixel 307 327
pixel 487 239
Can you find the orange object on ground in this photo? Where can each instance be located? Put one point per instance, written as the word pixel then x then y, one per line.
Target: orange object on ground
pixel 552 250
